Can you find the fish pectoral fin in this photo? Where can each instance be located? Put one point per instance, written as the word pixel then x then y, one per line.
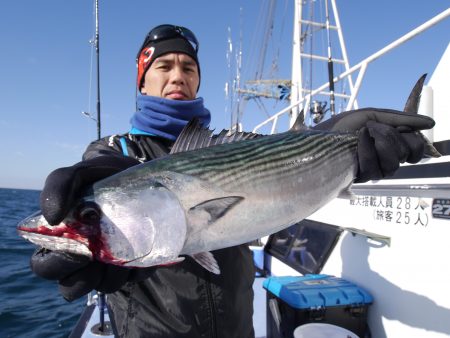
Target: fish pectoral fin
pixel 207 260
pixel 210 211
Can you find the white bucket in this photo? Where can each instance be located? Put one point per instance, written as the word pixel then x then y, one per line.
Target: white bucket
pixel 321 330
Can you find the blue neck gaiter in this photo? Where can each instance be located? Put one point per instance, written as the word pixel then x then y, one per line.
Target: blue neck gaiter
pixel 166 118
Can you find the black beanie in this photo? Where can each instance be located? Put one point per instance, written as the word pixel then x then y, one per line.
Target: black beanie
pixel 156 49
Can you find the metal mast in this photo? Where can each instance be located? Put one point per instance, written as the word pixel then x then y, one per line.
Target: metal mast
pixel 310 62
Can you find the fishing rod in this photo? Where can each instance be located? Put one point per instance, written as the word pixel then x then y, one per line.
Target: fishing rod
pixel 101 296
pixel 95 41
pixel 102 328
pixel 97 50
pixel 330 62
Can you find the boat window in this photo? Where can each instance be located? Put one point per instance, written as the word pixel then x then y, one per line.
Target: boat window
pixel 304 246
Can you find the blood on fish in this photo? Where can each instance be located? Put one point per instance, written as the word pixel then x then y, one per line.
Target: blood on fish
pixel 96 242
pixel 89 235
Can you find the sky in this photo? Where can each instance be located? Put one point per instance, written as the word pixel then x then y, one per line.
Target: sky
pixel 46 65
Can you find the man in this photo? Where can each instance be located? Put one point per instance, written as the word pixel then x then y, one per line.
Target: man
pixel 182 300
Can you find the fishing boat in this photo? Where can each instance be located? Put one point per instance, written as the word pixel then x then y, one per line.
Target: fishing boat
pixel 390 240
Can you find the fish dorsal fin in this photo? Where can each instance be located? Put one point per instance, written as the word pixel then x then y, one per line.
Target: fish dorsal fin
pixel 299 123
pixel 194 136
pixel 208 212
pixel 190 137
pixel 207 260
pixel 412 104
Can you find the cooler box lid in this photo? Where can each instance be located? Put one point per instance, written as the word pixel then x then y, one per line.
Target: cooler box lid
pixel 312 291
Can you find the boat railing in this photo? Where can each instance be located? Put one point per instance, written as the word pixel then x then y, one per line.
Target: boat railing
pixel 361 67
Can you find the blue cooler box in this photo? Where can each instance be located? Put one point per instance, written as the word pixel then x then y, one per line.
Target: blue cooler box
pixel 294 301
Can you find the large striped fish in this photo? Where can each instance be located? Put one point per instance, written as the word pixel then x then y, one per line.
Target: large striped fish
pixel 191 202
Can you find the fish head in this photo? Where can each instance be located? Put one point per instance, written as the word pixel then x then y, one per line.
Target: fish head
pixel 132 226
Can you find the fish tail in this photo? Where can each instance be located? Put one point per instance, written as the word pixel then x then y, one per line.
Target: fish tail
pixel 430 150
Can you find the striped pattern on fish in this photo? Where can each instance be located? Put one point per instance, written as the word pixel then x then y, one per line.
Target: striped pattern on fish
pixel 260 160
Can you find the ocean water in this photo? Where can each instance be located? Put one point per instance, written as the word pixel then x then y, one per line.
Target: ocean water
pixel 29 306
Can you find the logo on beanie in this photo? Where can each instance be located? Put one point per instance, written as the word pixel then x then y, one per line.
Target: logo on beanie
pixel 149 52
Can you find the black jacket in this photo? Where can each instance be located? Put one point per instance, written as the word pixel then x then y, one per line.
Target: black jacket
pixel 183 300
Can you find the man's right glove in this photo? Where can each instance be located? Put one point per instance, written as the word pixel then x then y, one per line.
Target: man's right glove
pixel 77 275
pixel 386 139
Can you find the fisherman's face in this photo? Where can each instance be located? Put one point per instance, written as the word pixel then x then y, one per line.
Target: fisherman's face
pixel 172 76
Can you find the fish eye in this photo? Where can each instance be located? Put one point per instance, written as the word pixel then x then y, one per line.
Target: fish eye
pixel 88 213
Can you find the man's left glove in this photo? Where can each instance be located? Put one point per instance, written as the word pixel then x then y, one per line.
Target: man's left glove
pixel 386 138
pixel 78 275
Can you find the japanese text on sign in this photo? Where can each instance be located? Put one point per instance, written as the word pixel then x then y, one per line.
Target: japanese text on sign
pixel 400 210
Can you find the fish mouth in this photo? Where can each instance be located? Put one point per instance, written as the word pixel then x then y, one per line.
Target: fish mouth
pixel 57 238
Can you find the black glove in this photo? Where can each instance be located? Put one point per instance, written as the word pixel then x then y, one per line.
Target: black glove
pixel 77 275
pixel 65 185
pixel 386 138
